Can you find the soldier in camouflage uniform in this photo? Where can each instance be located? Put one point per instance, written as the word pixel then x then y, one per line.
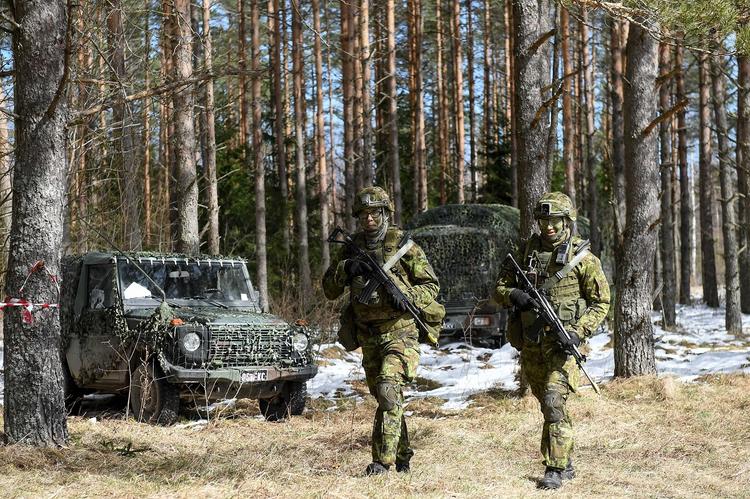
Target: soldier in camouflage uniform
pixel 387 334
pixel 562 267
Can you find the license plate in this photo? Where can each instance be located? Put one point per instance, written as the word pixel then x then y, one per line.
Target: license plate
pixel 251 376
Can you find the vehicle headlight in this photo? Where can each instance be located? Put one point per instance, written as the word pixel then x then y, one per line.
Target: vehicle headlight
pixel 481 321
pixel 191 342
pixel 300 342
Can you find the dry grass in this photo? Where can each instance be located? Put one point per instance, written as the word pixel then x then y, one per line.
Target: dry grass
pixel 645 437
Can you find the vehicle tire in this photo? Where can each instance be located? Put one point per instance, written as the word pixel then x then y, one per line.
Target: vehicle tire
pixel 153 399
pixel 297 395
pixel 275 409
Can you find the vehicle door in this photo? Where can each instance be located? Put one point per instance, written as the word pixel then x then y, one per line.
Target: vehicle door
pixel 99 329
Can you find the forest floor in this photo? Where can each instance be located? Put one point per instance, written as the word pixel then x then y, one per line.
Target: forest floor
pixel 644 437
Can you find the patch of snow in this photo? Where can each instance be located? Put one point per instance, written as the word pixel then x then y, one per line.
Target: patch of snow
pixel 700 345
pixel 335 376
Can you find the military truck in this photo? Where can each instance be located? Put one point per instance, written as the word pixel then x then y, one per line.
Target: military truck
pixel 466 245
pixel 163 329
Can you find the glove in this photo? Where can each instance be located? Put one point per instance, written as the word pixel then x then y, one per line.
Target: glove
pixel 522 300
pixel 354 267
pixel 399 305
pixel 574 339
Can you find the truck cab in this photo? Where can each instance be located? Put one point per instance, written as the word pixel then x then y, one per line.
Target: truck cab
pixel 163 329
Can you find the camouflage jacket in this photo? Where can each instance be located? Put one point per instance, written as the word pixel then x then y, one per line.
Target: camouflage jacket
pixel 581 298
pixel 413 274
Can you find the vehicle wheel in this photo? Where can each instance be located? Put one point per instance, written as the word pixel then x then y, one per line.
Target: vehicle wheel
pixel 297 395
pixel 275 409
pixel 153 399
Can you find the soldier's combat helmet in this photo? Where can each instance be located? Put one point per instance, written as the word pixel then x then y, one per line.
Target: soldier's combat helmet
pixel 372 197
pixel 555 204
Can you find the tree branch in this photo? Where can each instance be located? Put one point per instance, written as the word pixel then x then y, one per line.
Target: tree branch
pixel 665 116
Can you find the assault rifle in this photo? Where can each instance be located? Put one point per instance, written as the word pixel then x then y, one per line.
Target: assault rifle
pixel 377 277
pixel 547 314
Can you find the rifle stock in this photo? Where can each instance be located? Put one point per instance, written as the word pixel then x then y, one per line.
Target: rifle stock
pixel 547 313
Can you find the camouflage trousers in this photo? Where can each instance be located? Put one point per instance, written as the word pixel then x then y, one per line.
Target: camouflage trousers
pixel 390 362
pixel 552 376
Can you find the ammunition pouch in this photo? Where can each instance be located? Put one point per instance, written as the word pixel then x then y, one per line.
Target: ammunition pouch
pixel 432 316
pixel 348 329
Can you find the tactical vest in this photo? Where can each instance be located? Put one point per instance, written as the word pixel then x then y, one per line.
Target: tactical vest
pixel 379 309
pixel 563 291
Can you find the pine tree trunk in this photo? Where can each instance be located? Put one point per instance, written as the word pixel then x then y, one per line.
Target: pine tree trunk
pixel 708 260
pixel 258 154
pixel 686 214
pixel 728 200
pixel 488 110
pixel 364 51
pixel 743 176
pixel 303 257
pixel 357 122
pixel 634 336
pixel 147 106
pixel 392 110
pixel 458 99
pixel 511 110
pixel 348 105
pixel 592 198
pixel 417 105
pixel 666 227
pixel 185 197
pixel 618 141
pixel 568 115
pixel 213 196
pixel 279 114
pixel 242 66
pixel 34 408
pixel 125 159
pixel 442 103
pixel 532 21
pixel 320 140
pixel 473 188
pixel 554 111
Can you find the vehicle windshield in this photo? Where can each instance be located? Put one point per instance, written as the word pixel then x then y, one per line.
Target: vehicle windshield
pixel 213 281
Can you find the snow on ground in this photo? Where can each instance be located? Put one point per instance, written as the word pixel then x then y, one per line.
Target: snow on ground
pixel 700 345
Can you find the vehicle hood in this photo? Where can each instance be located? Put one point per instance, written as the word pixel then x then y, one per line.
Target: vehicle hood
pixel 212 316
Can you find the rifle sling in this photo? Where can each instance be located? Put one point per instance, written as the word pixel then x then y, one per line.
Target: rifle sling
pixel 552 280
pixel 372 284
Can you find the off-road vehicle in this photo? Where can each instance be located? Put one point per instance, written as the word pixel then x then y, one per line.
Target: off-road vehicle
pixel 162 329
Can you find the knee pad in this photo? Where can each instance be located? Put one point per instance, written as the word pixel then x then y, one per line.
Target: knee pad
pixel 387 395
pixel 552 407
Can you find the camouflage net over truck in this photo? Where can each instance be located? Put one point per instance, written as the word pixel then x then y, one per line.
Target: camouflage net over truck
pixel 466 245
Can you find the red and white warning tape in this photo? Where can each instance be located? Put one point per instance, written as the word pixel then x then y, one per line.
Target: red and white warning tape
pixel 27 306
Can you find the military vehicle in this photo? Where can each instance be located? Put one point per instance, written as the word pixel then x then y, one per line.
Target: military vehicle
pixel 466 245
pixel 163 329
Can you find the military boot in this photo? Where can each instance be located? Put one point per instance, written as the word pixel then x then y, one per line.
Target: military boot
pixel 403 467
pixel 552 479
pixel 375 468
pixel 569 472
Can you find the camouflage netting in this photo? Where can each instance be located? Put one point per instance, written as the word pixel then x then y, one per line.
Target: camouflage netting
pixel 501 218
pixel 466 245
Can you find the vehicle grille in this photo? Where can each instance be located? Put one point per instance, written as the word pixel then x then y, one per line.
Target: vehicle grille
pixel 237 346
